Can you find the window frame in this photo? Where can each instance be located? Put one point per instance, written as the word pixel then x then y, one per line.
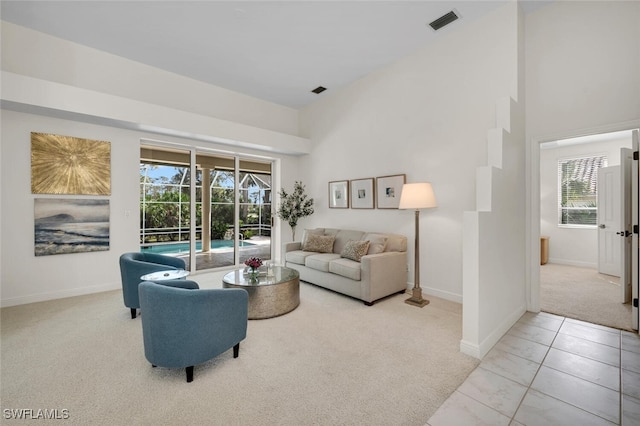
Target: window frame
pixel 604 162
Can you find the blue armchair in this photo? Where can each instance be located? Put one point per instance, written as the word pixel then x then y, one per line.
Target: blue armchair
pixel 182 328
pixel 135 265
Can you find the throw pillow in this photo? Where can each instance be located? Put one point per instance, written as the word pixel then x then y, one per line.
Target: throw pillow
pixel 354 250
pixel 377 243
pixel 319 243
pixel 307 232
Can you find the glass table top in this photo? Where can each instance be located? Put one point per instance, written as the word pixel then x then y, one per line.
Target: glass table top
pixel 279 275
pixel 172 274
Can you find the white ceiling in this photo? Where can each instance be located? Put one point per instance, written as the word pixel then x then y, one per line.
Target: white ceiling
pixel 273 50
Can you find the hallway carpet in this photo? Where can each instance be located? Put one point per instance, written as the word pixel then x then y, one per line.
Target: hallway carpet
pixel 583 294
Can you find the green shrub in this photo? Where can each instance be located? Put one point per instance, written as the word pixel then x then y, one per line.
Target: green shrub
pixel 218 229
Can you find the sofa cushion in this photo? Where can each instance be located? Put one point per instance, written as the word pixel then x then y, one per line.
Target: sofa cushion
pixel 307 232
pixel 354 250
pixel 319 243
pixel 377 242
pixel 346 268
pixel 343 237
pixel 297 256
pixel 396 243
pixel 320 261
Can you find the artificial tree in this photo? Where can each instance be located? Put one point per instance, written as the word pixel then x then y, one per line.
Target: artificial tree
pixel 294 206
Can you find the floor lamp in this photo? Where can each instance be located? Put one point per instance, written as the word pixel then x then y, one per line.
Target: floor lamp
pixel 417 196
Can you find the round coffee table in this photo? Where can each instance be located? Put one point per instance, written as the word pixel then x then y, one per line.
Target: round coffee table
pixel 270 296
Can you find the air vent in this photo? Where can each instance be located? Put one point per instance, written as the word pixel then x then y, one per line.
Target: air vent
pixel 319 90
pixel 444 20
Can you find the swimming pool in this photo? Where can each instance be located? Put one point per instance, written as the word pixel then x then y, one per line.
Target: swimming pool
pixel 169 248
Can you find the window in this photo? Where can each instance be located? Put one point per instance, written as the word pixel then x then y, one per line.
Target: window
pixel 578 190
pixel 231 198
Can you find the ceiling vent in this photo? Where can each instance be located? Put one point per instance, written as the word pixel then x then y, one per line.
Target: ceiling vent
pixel 443 20
pixel 319 90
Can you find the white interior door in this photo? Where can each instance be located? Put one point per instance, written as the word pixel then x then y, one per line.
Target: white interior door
pixel 634 244
pixel 609 253
pixel 626 162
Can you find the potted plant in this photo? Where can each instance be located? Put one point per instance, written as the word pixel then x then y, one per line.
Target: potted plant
pixel 294 206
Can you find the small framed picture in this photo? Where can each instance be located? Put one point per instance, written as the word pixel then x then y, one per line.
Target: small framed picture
pixel 339 194
pixel 388 189
pixel 362 194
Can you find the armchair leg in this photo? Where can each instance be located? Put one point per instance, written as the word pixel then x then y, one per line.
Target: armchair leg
pixel 133 313
pixel 236 350
pixel 190 374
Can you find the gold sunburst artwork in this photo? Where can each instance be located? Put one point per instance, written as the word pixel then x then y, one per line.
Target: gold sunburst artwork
pixel 69 165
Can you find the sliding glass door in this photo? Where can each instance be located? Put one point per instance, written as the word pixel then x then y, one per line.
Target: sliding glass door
pixel 164 201
pixel 254 216
pixel 231 197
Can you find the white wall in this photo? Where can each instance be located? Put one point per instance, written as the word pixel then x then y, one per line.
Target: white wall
pixel 570 246
pixel 35 54
pixel 81 92
pixel 582 62
pixel 427 116
pixel 26 278
pixel 493 235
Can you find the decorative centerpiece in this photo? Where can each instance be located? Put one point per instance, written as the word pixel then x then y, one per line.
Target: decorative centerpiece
pixel 253 263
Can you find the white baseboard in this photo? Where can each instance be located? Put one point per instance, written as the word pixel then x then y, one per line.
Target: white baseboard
pixel 452 297
pixel 470 349
pixel 573 263
pixel 43 297
pixel 479 351
pixel 501 329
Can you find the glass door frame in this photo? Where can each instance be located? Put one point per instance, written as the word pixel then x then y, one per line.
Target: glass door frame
pixel 193 169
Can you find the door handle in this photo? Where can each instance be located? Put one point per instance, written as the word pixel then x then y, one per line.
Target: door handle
pixel 623 233
pixel 602 226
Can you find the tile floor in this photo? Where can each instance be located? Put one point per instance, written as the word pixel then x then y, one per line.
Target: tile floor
pixel 551 370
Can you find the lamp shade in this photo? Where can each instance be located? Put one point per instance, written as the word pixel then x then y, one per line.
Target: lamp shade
pixel 417 196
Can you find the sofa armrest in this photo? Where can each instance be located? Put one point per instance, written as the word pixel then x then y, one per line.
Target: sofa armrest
pixel 291 246
pixel 385 273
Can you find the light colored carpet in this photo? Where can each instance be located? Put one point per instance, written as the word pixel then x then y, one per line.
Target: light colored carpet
pixel 332 361
pixel 583 294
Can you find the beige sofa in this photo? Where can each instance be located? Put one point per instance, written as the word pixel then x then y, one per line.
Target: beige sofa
pixel 325 257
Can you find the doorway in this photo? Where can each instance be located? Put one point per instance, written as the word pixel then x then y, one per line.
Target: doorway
pixel 570 283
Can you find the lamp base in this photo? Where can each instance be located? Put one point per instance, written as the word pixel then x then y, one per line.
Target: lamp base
pixel 416 299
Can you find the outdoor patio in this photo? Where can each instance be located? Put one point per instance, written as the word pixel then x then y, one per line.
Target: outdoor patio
pixel 220 257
